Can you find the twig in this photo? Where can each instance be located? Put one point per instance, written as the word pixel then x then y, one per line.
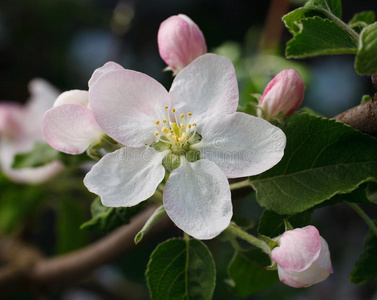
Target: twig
pixel 362 117
pixel 75 265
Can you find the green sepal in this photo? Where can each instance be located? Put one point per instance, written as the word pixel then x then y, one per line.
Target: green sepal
pixel 287 225
pixel 193 155
pixel 171 161
pixel 270 242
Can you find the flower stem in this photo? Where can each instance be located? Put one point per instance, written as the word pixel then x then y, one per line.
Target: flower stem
pixel 364 216
pixel 237 231
pixel 239 185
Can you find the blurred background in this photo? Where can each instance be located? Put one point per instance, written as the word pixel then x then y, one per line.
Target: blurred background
pixel 64 41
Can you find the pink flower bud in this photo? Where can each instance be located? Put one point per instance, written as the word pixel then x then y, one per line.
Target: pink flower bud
pixel 303 257
pixel 283 95
pixel 180 41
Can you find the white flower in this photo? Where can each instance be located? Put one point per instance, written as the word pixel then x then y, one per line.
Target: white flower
pixel 194 131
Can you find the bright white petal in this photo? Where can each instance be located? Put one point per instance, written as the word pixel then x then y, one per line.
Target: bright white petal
pixel 73 97
pixel 127 176
pixel 241 145
pixel 197 199
pixel 70 128
pixel 107 67
pixel 126 105
pixel 206 87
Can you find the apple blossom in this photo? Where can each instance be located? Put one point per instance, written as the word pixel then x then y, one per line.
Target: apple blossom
pixel 180 41
pixel 303 257
pixel 283 95
pixel 193 132
pixel 21 128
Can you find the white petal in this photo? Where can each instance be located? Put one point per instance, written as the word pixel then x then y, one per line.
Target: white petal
pixel 107 67
pixel 241 145
pixel 127 176
pixel 197 199
pixel 73 97
pixel 70 128
pixel 126 104
pixel 206 87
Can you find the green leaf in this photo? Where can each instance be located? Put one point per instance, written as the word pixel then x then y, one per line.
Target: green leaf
pixel 366 58
pixel 325 9
pixel 70 215
pixel 105 219
pixel 247 274
pixel 40 155
pixel 362 20
pixel 322 158
pixel 365 267
pixel 320 37
pixel 331 6
pixel 17 204
pixel 272 224
pixel 181 269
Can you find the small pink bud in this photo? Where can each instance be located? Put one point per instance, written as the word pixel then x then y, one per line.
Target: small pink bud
pixel 303 257
pixel 283 95
pixel 180 41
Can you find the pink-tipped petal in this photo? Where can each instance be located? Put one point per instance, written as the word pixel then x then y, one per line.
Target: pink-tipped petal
pixel 126 105
pixel 241 145
pixel 107 67
pixel 298 249
pixel 127 176
pixel 197 199
pixel 70 128
pixel 207 87
pixel 283 94
pixel 73 97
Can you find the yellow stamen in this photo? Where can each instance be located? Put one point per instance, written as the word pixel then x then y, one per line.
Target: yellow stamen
pixel 173 109
pixel 194 124
pixel 166 107
pixel 189 126
pixel 156 133
pixel 157 122
pixel 189 114
pixel 163 121
pixel 182 115
pixel 165 130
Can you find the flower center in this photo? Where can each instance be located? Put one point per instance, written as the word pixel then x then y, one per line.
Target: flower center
pixel 176 132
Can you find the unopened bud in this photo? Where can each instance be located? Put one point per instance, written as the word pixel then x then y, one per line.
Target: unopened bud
pixel 180 41
pixel 302 257
pixel 283 95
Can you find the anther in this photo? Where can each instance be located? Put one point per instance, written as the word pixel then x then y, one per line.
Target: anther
pixel 189 114
pixel 163 121
pixel 173 109
pixel 166 107
pixel 157 122
pixel 156 133
pixel 182 115
pixel 194 124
